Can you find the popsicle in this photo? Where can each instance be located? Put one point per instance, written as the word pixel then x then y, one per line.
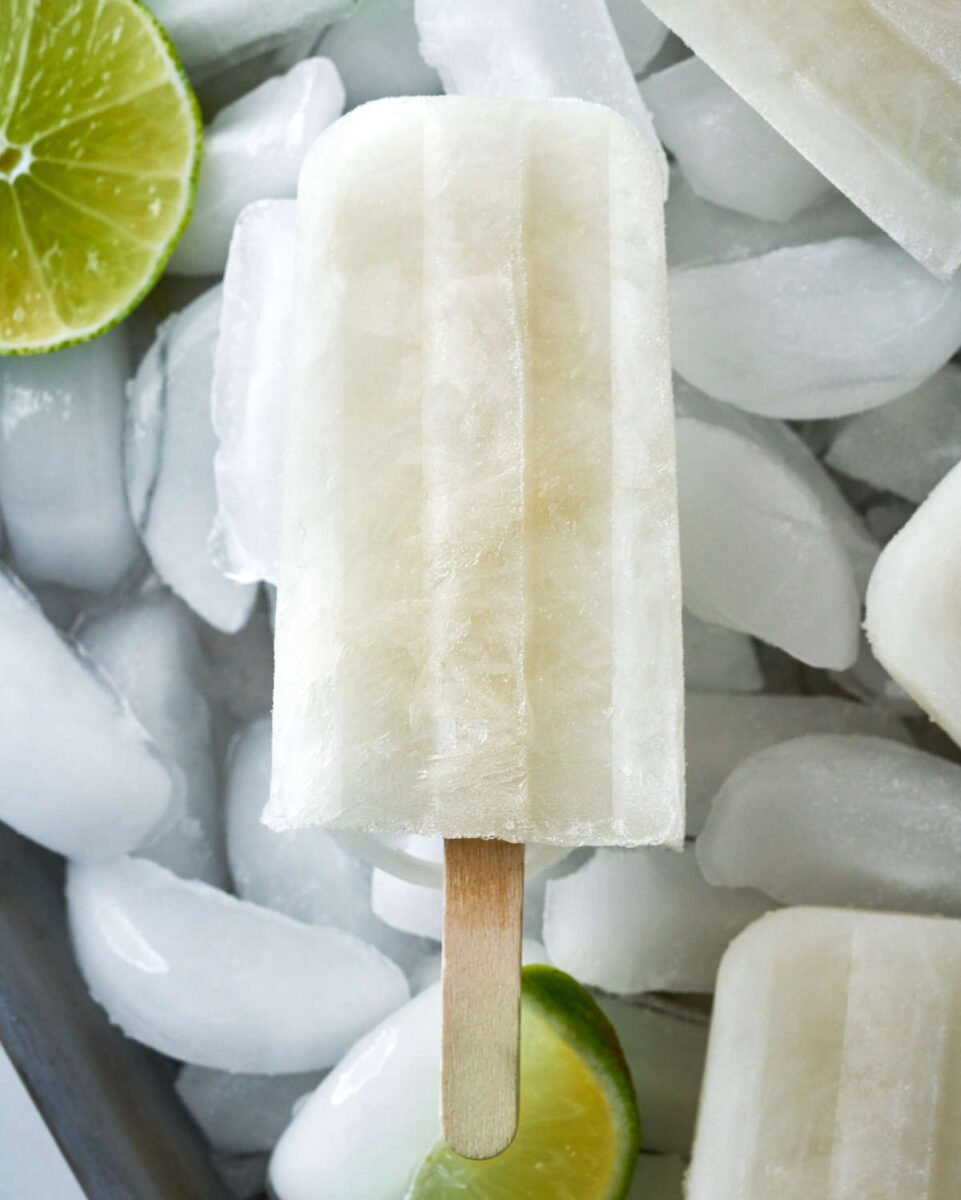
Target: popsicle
pixel 478 625
pixel 834 1061
pixel 868 90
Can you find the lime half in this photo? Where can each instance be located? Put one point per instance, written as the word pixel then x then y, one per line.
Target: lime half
pixel 99 146
pixel 579 1134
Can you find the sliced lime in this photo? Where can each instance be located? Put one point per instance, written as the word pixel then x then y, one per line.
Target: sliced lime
pixel 99 146
pixel 579 1134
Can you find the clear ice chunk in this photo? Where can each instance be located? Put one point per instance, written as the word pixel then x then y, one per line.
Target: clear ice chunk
pixel 250 386
pixel 727 152
pixel 149 651
pixel 833 1063
pixel 764 549
pixel 61 465
pixel 664 1045
pixel 820 330
pixel 867 90
pixel 913 616
pixel 169 458
pixel 700 233
pixel 644 920
pixel 242 1114
pixel 723 730
pixel 253 149
pixel 848 820
pixel 718 659
pixel 376 51
pixel 640 33
pixel 305 873
pixel 908 446
pixel 534 49
pixel 79 773
pixel 658 1177
pixel 213 980
pixel 208 33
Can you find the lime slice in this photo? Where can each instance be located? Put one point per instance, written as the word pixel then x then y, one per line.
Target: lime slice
pixel 99 147
pixel 579 1134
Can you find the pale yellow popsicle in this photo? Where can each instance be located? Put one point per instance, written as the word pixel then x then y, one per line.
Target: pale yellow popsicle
pixel 478 629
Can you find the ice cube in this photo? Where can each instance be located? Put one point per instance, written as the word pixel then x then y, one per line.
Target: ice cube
pixel 727 152
pixel 240 670
pixel 253 149
pixel 249 387
pixel 820 330
pixel 306 873
pixel 79 773
pixel 376 52
pixel 148 649
pixel 644 920
pixel 208 33
pixel 216 981
pixel 169 455
pixel 761 550
pixel 913 615
pixel 640 33
pixel 388 1083
pixel 909 445
pixel 699 232
pixel 244 1175
pixel 242 1114
pixel 854 821
pixel 718 659
pixel 887 517
pixel 658 1177
pixel 533 48
pixel 61 466
pixel 664 1045
pixel 722 731
pixel 33 1167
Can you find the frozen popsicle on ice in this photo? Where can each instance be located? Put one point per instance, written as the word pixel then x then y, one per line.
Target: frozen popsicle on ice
pixel 478 626
pixel 834 1061
pixel 868 90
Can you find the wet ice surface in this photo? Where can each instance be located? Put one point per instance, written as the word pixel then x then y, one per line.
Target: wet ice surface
pixel 909 445
pixel 249 384
pixel 768 545
pixel 306 873
pixel 828 329
pixel 170 447
pixel 721 731
pixel 61 466
pixel 216 31
pixel 726 151
pixel 718 659
pixel 252 150
pixel 854 821
pixel 217 981
pixel 149 650
pixel 532 48
pixel 644 920
pixel 658 1177
pixel 376 52
pixel 79 774
pixel 640 33
pixel 243 1114
pixel 913 617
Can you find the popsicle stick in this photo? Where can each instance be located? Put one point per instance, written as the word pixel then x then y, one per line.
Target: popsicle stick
pixel 483 909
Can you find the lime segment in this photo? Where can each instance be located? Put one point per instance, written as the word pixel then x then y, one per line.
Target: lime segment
pixel 99 145
pixel 579 1135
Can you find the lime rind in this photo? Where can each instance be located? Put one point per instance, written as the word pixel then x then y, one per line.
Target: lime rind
pixel 555 1002
pixel 177 77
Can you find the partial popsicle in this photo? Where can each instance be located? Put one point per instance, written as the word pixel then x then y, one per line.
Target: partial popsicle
pixel 833 1065
pixel 478 628
pixel 868 90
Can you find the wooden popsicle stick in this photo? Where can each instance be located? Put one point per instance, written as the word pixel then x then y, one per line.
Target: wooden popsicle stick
pixel 483 910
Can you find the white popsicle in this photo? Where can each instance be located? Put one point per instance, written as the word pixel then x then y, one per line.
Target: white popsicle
pixel 868 90
pixel 478 630
pixel 833 1066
